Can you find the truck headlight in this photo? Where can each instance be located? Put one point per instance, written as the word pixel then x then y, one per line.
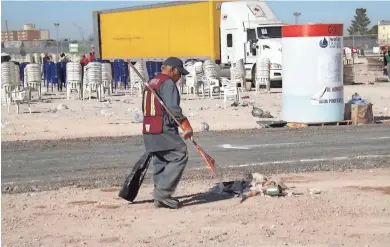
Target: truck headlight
pixel 275 66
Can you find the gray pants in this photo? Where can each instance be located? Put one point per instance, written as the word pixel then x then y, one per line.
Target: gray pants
pixel 388 70
pixel 168 169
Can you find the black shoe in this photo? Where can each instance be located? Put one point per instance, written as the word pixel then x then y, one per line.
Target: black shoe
pixel 169 202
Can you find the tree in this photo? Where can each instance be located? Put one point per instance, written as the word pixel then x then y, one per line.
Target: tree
pixel 374 30
pixel 359 25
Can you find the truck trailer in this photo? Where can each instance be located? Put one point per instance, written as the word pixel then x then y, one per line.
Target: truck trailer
pixel 223 31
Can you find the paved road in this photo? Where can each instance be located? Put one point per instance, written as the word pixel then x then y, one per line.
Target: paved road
pixel 42 165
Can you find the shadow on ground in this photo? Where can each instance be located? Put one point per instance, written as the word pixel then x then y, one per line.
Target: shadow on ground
pixel 195 199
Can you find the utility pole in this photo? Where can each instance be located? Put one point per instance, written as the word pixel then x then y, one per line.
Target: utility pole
pixel 80 30
pixel 57 25
pixel 296 14
pixel 6 29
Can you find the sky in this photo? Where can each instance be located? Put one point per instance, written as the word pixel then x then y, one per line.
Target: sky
pixel 75 17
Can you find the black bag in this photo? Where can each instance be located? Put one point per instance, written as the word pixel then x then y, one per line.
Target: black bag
pixel 134 180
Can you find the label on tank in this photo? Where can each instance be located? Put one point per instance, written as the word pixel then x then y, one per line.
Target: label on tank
pixel 330 81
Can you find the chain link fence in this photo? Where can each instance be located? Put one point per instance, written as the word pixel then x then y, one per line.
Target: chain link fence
pixel 367 42
pixel 19 48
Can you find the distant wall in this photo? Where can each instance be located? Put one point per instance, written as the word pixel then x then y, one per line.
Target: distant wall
pixel 41 46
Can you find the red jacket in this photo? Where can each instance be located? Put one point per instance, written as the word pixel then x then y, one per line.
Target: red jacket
pixel 84 60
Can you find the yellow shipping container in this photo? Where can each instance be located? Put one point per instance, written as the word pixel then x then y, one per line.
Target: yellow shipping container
pixel 181 29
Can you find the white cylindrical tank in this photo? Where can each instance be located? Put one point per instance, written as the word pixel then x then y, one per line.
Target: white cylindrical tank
pixel 313 88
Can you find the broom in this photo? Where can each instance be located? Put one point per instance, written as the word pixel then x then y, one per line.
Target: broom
pixel 210 161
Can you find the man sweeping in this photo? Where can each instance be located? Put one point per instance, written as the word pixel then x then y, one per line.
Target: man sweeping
pixel 161 134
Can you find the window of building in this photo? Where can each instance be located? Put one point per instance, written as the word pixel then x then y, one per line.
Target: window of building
pixel 229 38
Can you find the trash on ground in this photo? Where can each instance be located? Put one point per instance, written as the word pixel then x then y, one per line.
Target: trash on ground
pixel 62 106
pixel 138 117
pixel 357 100
pixel 314 191
pixel 204 126
pixel 259 113
pixel 235 104
pixel 258 184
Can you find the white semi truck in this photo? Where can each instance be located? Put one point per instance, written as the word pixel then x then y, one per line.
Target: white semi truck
pixel 224 31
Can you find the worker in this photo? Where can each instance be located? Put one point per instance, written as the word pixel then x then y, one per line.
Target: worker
pixel 91 56
pixel 161 135
pixel 63 58
pixel 386 59
pixel 45 58
pixel 84 60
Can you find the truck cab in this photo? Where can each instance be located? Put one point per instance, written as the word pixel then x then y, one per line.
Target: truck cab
pixel 249 30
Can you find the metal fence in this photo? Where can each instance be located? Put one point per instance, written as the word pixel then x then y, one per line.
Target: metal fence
pixel 367 42
pixel 29 47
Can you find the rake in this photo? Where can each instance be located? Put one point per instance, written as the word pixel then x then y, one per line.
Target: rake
pixel 210 161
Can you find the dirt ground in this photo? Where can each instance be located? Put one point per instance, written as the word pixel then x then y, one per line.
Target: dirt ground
pixel 50 120
pixel 352 209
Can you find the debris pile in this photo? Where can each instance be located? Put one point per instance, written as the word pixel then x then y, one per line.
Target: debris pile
pixel 258 184
pixel 259 113
pixel 357 100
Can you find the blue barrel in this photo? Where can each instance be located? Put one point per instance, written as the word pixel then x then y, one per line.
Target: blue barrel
pixel 125 74
pixel 52 73
pixel 117 70
pixel 153 68
pixel 46 71
pixel 22 67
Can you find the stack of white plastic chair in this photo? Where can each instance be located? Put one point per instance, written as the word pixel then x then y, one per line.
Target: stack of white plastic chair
pixel 210 78
pixel 237 72
pixel 107 77
pixel 73 79
pixel 18 95
pixel 94 79
pixel 29 58
pixel 17 75
pixel 199 70
pixel 7 80
pixel 229 90
pixel 262 76
pixel 33 78
pixel 135 81
pixel 193 81
pixel 229 87
pixel 37 58
pixel 188 79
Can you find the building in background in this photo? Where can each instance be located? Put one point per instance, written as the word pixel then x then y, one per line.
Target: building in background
pixel 29 26
pixel 9 36
pixel 29 32
pixel 45 34
pixel 384 32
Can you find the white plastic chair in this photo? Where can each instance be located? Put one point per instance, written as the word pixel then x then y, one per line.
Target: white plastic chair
pixel 19 96
pixel 209 85
pixel 229 90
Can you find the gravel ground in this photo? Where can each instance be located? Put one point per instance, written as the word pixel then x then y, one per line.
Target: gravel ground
pixel 352 209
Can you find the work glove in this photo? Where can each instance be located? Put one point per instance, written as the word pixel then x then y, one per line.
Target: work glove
pixel 188 131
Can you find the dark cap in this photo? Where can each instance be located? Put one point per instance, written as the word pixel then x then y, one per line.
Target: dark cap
pixel 176 63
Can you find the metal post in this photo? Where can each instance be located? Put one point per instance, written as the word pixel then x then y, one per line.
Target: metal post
pixel 56 25
pixel 296 14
